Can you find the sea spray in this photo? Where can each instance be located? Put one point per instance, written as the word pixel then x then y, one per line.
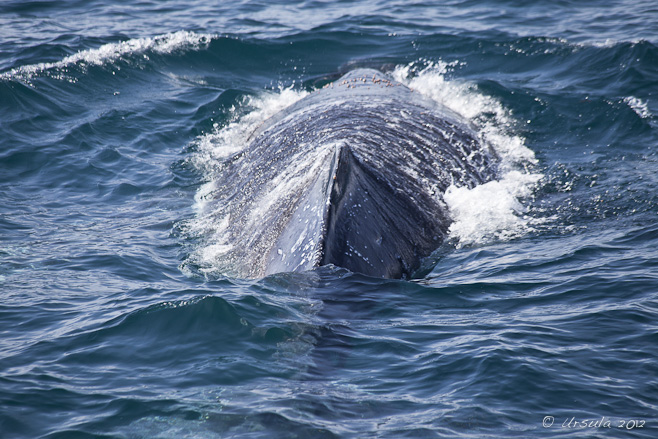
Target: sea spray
pixel 113 52
pixel 494 210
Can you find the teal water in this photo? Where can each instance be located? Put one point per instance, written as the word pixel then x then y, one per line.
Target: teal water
pixel 116 320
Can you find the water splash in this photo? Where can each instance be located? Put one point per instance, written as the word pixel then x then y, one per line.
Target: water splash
pixel 638 106
pixel 112 52
pixel 495 210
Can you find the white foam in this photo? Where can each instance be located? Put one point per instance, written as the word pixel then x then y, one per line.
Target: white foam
pixel 640 107
pixel 212 148
pixel 607 43
pixel 108 53
pixel 491 211
pixel 495 210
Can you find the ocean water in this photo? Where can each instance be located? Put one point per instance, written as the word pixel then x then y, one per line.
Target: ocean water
pixel 538 318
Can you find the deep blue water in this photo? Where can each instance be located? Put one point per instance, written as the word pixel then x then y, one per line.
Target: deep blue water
pixel 115 322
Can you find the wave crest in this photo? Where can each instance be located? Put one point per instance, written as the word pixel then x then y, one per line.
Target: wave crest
pixel 112 52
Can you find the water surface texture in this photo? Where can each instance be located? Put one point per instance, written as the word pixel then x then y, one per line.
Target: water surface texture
pixel 119 316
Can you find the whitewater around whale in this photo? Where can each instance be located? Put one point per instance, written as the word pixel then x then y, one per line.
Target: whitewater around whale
pixel 351 175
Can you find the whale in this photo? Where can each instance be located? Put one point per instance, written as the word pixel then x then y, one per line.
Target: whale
pixel 351 175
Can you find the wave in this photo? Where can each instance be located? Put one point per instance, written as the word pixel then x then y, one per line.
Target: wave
pixel 639 106
pixel 112 52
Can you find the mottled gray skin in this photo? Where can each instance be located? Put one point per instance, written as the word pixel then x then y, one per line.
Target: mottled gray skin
pixel 351 175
